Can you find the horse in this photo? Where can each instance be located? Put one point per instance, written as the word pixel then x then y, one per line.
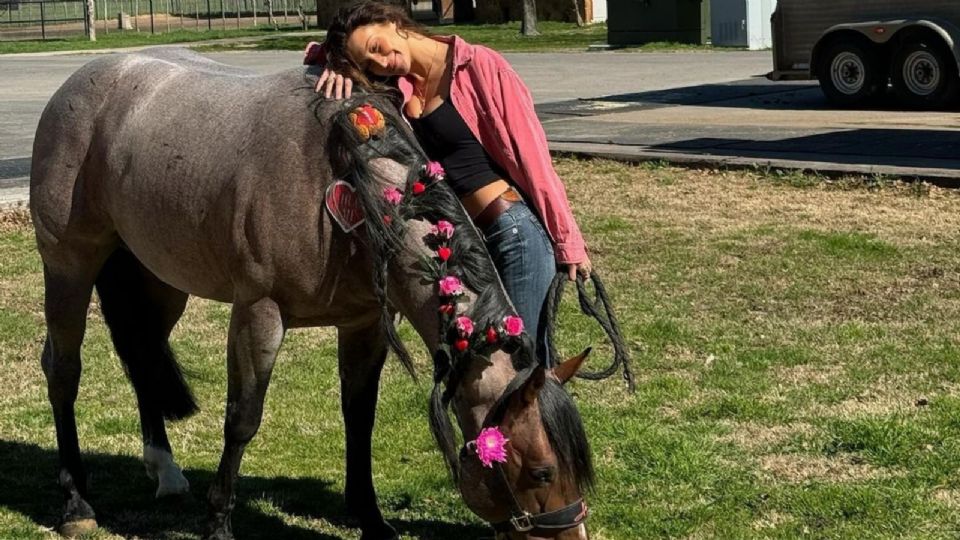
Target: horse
pixel 161 174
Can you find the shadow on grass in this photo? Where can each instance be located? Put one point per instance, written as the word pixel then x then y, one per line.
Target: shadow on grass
pixel 122 496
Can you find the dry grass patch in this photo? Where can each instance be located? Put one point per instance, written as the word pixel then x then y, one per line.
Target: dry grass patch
pixel 754 437
pixel 887 395
pixel 718 202
pixel 948 497
pixel 806 374
pixel 797 468
pixel 771 520
pixel 15 219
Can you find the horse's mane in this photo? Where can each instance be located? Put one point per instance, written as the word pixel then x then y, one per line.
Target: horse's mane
pixel 351 156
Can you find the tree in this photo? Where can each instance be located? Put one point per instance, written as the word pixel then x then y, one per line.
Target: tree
pixel 576 13
pixel 528 25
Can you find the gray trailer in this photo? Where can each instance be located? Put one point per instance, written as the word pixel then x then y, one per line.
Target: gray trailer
pixel 856 48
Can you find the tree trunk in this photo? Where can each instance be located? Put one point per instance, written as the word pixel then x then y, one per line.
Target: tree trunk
pixel 528 26
pixel 303 16
pixel 576 13
pixel 89 14
pixel 270 19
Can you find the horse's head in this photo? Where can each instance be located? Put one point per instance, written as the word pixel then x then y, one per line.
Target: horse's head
pixel 430 263
pixel 538 490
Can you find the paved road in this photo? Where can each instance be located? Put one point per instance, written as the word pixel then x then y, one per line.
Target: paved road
pixel 713 104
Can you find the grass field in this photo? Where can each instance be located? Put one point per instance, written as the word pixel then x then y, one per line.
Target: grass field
pixel 554 37
pixel 796 343
pixel 131 38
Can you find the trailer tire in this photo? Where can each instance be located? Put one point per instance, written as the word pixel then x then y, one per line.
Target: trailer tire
pixel 924 74
pixel 849 72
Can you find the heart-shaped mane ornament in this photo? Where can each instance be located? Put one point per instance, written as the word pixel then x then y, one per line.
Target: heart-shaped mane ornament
pixel 343 205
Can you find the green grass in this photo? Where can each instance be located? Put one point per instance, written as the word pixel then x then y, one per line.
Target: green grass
pixel 554 36
pixel 796 342
pixel 131 38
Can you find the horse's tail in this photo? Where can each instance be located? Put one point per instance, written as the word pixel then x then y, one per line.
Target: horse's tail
pixel 132 302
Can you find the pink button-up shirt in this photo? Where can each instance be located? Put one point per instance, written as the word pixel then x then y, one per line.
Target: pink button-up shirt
pixel 498 109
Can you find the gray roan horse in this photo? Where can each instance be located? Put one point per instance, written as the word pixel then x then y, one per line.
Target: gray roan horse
pixel 162 174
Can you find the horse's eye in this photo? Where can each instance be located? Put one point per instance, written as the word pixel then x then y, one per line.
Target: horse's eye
pixel 543 475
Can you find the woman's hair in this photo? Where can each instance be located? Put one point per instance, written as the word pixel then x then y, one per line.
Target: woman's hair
pixel 353 16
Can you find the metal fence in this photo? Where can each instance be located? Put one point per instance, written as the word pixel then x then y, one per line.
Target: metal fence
pixel 45 19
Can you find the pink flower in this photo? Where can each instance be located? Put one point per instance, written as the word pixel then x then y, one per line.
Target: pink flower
pixel 464 325
pixel 434 171
pixel 512 325
pixel 418 188
pixel 443 229
pixel 444 253
pixel 491 446
pixel 451 286
pixel 392 195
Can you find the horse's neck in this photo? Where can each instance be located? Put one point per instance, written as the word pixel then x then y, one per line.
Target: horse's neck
pixel 481 387
pixel 417 299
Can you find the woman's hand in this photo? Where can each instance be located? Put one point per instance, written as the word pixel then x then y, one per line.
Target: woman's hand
pixel 334 85
pixel 583 268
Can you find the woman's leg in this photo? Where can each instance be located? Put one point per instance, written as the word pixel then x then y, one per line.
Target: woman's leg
pixel 524 258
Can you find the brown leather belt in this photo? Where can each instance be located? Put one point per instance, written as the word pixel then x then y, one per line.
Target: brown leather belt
pixel 496 208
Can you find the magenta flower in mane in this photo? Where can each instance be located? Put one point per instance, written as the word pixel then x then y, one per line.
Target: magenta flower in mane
pixel 491 446
pixel 513 325
pixel 434 171
pixel 443 229
pixel 451 286
pixel 392 195
pixel 464 325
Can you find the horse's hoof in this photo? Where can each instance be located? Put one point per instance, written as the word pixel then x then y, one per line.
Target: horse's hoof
pixel 72 529
pixel 172 484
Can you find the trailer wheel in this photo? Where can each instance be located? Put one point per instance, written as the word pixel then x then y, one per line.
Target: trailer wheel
pixel 924 74
pixel 848 72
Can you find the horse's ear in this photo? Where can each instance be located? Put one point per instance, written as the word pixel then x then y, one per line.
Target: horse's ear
pixel 533 385
pixel 569 367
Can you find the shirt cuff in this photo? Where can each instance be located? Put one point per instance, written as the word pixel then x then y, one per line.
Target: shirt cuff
pixel 570 252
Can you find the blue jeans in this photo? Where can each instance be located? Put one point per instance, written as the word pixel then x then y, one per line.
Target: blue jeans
pixel 523 255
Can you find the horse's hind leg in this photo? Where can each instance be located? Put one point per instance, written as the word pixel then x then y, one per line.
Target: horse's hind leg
pixel 362 352
pixel 68 283
pixel 141 311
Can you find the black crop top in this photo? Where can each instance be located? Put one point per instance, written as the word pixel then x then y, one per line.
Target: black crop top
pixel 447 138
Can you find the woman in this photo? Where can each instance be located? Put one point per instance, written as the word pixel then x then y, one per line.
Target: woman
pixel 473 114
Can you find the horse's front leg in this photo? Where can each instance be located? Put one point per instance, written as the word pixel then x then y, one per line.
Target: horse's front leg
pixel 256 332
pixel 361 352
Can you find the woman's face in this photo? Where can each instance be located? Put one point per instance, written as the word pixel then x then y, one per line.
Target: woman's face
pixel 379 49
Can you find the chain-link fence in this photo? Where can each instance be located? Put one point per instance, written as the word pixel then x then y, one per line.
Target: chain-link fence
pixel 45 19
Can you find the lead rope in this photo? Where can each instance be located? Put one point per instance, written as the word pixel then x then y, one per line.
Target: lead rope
pixel 600 309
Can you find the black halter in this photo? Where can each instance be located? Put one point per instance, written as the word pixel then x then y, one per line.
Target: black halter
pixel 568 517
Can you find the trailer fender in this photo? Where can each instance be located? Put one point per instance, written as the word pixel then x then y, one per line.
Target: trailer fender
pixel 881 32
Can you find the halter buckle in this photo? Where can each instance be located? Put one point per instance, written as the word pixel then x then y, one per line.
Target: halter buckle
pixel 522 522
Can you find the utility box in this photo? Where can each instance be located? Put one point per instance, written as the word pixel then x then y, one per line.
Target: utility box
pixel 635 22
pixel 742 23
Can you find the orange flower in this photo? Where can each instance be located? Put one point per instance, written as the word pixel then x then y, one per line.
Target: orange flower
pixel 367 120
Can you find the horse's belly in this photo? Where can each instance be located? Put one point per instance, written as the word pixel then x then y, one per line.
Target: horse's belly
pixel 183 267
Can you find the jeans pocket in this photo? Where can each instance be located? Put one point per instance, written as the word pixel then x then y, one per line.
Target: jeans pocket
pixel 504 224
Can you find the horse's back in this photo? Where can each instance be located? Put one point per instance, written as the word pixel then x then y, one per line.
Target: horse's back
pixel 188 142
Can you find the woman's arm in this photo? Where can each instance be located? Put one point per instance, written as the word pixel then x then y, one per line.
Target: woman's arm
pixel 332 83
pixel 542 184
